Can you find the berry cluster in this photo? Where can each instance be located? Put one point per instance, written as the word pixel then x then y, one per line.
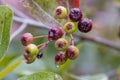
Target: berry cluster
pixel 67 49
pixel 31 50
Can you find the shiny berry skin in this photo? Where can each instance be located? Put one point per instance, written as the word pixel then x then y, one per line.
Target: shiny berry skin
pixel 26 39
pixel 31 50
pixel 60 12
pixel 75 14
pixel 72 52
pixel 60 58
pixel 85 25
pixel 69 27
pixel 39 55
pixel 61 44
pixel 55 33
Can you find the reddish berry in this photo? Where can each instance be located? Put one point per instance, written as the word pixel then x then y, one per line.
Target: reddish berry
pixel 55 33
pixel 60 58
pixel 29 59
pixel 60 12
pixel 26 39
pixel 69 27
pixel 75 14
pixel 85 25
pixel 61 44
pixel 72 52
pixel 31 50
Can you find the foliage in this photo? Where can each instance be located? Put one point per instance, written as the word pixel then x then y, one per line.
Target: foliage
pixel 6 16
pixel 93 58
pixel 42 76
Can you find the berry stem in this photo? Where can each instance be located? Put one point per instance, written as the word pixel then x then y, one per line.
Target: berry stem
pixel 68 6
pixel 43 36
pixel 72 39
pixel 64 35
pixel 43 45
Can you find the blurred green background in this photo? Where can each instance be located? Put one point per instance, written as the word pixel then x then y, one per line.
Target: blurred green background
pixel 93 58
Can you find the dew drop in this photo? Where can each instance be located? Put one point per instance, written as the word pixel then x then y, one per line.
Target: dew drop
pixel 57 66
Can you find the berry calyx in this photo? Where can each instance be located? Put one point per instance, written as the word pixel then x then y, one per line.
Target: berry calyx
pixel 75 14
pixel 69 27
pixel 31 50
pixel 55 33
pixel 60 58
pixel 72 52
pixel 26 39
pixel 61 44
pixel 29 59
pixel 85 25
pixel 60 12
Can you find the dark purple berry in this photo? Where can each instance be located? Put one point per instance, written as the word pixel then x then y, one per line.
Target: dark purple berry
pixel 55 33
pixel 85 25
pixel 60 58
pixel 75 14
pixel 39 55
pixel 26 39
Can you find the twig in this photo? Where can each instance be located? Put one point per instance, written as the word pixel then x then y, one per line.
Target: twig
pixel 99 40
pixel 25 22
pixel 17 12
pixel 30 22
pixel 111 73
pixel 20 29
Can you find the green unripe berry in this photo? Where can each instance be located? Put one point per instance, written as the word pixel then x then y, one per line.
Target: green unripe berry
pixel 61 44
pixel 72 52
pixel 69 27
pixel 60 12
pixel 31 50
pixel 31 60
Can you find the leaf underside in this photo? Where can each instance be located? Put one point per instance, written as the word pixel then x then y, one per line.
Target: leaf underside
pixel 6 16
pixel 42 76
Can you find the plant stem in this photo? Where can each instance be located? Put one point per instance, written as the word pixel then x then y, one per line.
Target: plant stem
pixel 72 39
pixel 43 45
pixel 99 40
pixel 43 36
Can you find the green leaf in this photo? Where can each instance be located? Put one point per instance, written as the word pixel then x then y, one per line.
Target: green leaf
pixel 42 76
pixel 99 77
pixel 90 77
pixel 65 66
pixel 6 16
pixel 6 60
pixel 9 68
pixel 26 69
